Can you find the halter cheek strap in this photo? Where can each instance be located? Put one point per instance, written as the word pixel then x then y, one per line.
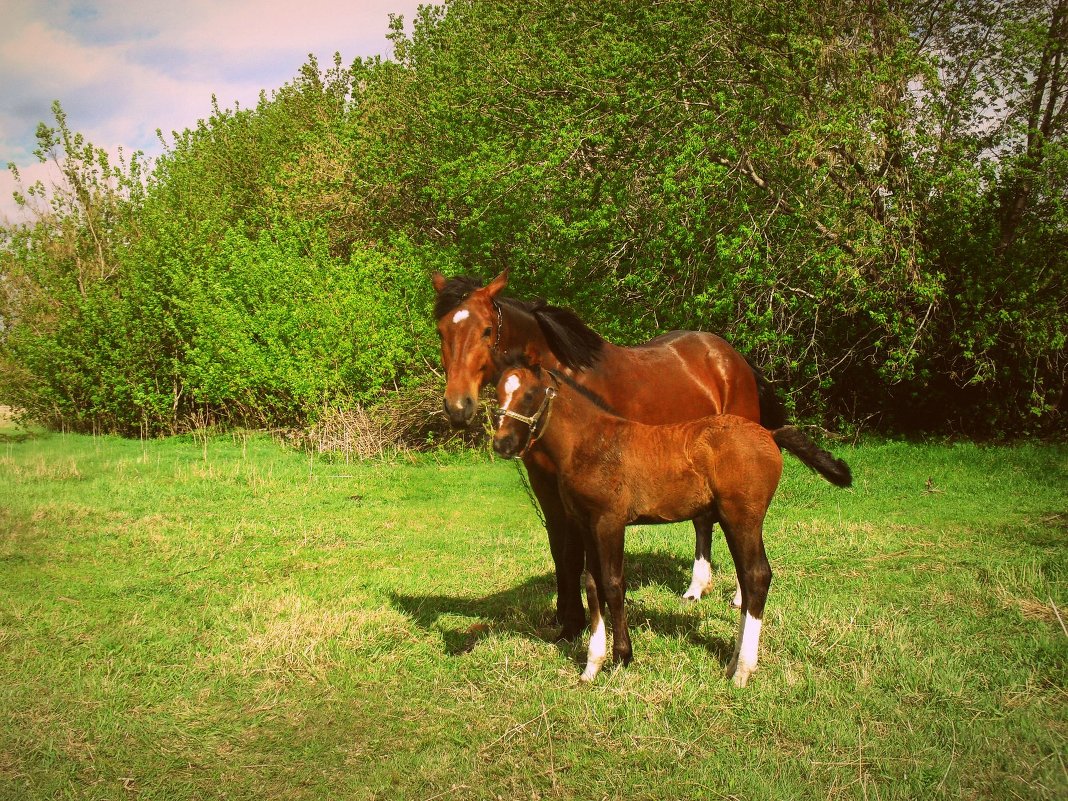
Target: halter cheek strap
pixel 532 421
pixel 500 324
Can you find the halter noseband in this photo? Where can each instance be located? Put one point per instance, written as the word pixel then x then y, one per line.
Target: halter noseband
pixel 533 420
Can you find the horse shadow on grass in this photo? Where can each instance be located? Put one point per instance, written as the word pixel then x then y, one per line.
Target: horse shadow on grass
pixel 528 609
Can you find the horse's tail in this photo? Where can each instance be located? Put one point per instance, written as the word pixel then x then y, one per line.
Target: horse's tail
pixel 823 462
pixel 772 411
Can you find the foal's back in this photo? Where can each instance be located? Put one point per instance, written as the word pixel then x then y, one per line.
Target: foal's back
pixel 679 471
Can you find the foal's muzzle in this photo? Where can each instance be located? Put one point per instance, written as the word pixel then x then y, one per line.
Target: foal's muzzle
pixel 507 446
pixel 512 445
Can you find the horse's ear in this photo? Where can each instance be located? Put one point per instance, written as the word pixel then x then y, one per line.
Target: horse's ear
pixel 498 283
pixel 439 281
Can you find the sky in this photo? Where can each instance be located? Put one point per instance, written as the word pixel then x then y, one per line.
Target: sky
pixel 123 68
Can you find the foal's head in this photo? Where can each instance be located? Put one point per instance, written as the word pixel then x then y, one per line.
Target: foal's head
pixel 524 395
pixel 469 327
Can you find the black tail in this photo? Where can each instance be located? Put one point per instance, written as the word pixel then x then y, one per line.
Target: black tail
pixel 834 470
pixel 772 412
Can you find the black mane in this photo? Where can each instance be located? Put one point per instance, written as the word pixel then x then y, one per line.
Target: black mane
pixel 453 294
pixel 572 341
pixel 586 392
pixel 458 288
pixel 519 359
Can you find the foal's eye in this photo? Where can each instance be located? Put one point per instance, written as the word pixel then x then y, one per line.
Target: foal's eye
pixel 487 332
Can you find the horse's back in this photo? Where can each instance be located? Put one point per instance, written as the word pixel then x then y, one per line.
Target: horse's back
pixel 677 376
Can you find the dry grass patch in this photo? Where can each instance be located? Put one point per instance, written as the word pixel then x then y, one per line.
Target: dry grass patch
pixel 294 633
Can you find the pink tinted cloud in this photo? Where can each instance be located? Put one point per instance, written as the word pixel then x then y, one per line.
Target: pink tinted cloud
pixel 123 69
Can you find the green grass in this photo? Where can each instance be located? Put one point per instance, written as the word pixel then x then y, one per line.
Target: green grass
pixel 225 618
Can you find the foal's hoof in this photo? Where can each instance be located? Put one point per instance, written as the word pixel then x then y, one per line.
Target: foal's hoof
pixel 694 592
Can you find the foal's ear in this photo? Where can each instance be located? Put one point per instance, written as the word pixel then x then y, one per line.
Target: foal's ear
pixel 439 281
pixel 531 355
pixel 498 283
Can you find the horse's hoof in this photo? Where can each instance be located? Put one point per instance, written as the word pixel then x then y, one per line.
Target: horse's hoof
pixel 690 599
pixel 590 673
pixel 741 677
pixel 568 634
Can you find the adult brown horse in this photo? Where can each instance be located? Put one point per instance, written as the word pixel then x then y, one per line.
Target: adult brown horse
pixel 614 472
pixel 679 376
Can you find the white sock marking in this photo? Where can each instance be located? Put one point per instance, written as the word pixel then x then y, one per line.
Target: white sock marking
pixel 461 315
pixel 748 642
pixel 597 652
pixel 702 578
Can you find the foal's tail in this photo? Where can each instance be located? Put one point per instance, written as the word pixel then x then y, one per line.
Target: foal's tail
pixel 823 462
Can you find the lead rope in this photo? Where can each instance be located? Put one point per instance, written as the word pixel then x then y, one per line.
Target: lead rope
pixel 530 491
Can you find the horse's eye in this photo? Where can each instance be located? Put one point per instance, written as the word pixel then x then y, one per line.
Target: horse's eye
pixel 487 332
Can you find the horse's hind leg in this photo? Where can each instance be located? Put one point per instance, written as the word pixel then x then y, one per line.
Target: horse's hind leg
pixel 746 543
pixel 702 562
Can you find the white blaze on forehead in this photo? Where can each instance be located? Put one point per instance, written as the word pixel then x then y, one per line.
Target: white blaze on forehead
pixel 510 386
pixel 461 315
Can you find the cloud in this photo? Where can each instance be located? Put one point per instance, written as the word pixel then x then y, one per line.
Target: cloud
pixel 122 69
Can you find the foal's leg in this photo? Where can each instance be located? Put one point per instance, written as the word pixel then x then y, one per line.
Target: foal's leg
pixel 605 586
pixel 704 528
pixel 598 648
pixel 609 535
pixel 746 542
pixel 702 559
pixel 566 547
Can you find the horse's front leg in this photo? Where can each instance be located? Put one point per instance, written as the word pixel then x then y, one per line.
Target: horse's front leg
pixel 566 547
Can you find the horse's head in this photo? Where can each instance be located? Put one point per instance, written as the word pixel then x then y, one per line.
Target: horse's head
pixel 524 395
pixel 469 322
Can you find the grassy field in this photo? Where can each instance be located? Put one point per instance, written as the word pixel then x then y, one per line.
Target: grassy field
pixel 226 618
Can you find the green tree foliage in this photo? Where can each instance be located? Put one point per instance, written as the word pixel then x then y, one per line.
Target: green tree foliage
pixel 212 300
pixel 867 199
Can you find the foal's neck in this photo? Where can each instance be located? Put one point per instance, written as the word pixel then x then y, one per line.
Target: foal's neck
pixel 572 420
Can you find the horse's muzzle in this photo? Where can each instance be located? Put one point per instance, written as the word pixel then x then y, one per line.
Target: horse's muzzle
pixel 462 412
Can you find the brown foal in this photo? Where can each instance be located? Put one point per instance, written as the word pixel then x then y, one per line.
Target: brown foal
pixel 615 472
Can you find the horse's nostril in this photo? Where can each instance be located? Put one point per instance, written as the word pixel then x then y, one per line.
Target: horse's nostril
pixel 460 412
